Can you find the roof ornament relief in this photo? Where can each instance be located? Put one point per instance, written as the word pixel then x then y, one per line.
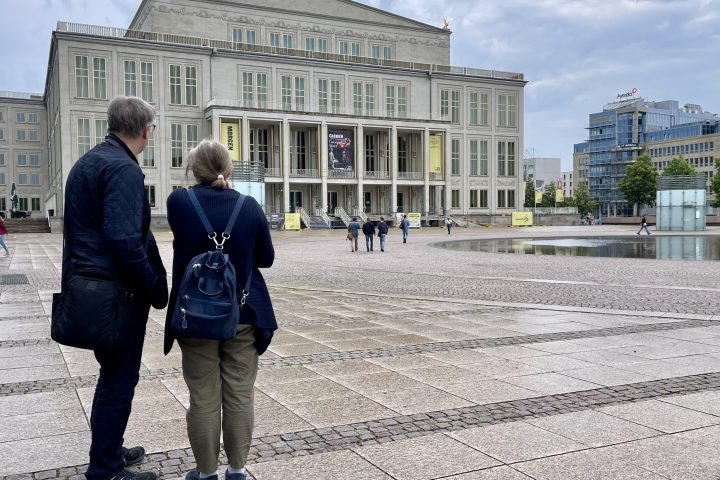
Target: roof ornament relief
pixel 446 24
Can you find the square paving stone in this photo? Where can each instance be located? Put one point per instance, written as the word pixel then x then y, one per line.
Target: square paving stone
pixel 501 368
pixel 426 457
pixel 511 351
pixel 30 374
pixel 13 352
pixel 708 436
pixel 661 416
pixel 602 464
pixel 355 344
pixel 496 473
pixel 38 402
pixel 405 362
pixel 306 391
pixel 43 424
pixel 284 374
pixel 489 391
pixel 593 428
pixel 294 350
pixel 551 383
pixel 340 411
pixel 418 400
pixel 706 402
pixel 670 350
pixel 441 377
pixel 342 465
pixel 672 457
pixel 611 358
pixel 554 363
pixel 378 382
pixel 31 361
pixel 608 376
pixel 516 441
pixel 349 367
pixel 407 339
pixel 31 455
pixel 459 357
pixel 272 418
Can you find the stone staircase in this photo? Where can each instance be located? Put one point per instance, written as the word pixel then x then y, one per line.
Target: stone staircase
pixel 317 222
pixel 27 225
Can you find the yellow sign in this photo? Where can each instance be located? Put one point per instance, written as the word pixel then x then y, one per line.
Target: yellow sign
pixel 522 219
pixel 230 137
pixel 538 197
pixel 559 195
pixel 414 218
pixel 436 148
pixel 292 221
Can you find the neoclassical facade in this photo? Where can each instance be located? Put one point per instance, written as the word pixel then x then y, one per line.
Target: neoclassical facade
pixel 350 108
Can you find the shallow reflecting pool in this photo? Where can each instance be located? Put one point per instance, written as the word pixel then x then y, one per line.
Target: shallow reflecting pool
pixel 686 247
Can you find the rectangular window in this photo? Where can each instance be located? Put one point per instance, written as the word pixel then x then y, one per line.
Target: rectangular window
pixel 175 85
pixel 130 78
pixel 473 157
pixel 288 41
pixel 483 157
pixel 343 47
pixel 20 135
pixel 261 89
pixel 501 159
pixel 237 37
pixel 507 110
pixel 99 79
pixel 148 155
pixel 376 51
pixel 23 200
pixel 35 204
pixel 322 45
pixel 473 198
pixel 357 98
pixel 32 117
pixel 445 103
pixel 335 96
pixel 191 139
pixel 22 160
pixel 2 134
pixel 100 131
pixel 2 116
pixel 146 81
pixel 20 117
pixel 501 199
pixel 286 92
pixel 35 179
pixel 2 159
pixel 474 117
pixel 248 88
pixel 323 95
pixel 251 37
pixel 150 194
pixel 176 145
pixel 455 107
pixel 83 136
pixel 274 39
pixel 511 159
pixel 354 49
pixel 34 160
pixel 190 85
pixel 390 100
pixel 299 94
pixel 369 99
pixel 2 182
pixel 82 76
pixel 310 44
pixel 511 198
pixel 33 135
pixel 455 198
pixel 401 101
pixel 23 180
pixel 483 199
pixel 455 155
pixel 387 53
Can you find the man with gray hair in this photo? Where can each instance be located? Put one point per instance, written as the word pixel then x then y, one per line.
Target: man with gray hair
pixel 107 236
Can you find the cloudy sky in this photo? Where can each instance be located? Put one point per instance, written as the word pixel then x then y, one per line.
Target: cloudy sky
pixel 576 54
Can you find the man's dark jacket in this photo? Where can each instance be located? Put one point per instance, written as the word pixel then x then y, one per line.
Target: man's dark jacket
pixel 107 222
pixel 368 228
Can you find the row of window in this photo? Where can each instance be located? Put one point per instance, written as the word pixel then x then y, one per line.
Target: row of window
pixel 22 204
pixel 313 43
pixel 23 178
pixel 22 117
pixel 682 149
pixel 23 159
pixel 479 198
pixel 478 107
pixel 478 155
pixel 22 135
pixel 695 162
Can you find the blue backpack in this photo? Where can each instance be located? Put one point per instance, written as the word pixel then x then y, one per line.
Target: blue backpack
pixel 207 305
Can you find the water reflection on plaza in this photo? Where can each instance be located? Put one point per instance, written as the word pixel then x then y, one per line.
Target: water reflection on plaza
pixel 675 247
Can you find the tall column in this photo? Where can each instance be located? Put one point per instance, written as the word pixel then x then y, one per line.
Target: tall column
pixel 426 172
pixel 323 161
pixel 360 165
pixel 393 169
pixel 448 170
pixel 215 126
pixel 286 164
pixel 245 132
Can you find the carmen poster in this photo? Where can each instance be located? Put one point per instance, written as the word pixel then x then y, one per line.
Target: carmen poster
pixel 341 151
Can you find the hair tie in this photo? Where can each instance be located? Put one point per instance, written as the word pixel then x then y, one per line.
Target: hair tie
pixel 220 177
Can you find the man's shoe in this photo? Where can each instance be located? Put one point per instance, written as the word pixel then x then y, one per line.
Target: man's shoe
pixel 132 456
pixel 128 475
pixel 235 476
pixel 194 474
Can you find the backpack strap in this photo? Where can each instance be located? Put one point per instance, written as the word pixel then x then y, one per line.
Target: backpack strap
pixel 201 213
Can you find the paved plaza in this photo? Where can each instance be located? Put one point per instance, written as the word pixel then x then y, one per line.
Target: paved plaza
pixel 416 363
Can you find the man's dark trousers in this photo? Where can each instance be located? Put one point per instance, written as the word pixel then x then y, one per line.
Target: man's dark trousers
pixel 119 374
pixel 369 242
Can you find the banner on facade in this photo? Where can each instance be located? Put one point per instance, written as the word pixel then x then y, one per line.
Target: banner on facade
pixel 522 219
pixel 292 221
pixel 436 148
pixel 538 197
pixel 230 137
pixel 559 195
pixel 341 151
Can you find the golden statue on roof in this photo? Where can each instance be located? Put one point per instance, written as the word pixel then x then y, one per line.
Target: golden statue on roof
pixel 446 24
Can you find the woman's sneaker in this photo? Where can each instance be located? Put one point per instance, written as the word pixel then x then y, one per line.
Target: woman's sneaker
pixel 235 476
pixel 132 456
pixel 195 475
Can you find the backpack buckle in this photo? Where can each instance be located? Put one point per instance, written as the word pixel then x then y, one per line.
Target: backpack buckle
pixel 244 298
pixel 219 245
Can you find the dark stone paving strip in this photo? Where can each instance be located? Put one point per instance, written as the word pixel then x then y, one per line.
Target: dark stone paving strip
pixel 20 388
pixel 175 463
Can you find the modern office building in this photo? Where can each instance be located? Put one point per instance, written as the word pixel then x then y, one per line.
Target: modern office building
pixel 23 151
pixel 344 109
pixel 624 130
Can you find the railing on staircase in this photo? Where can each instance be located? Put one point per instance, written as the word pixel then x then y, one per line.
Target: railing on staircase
pixel 357 212
pixel 320 212
pixel 342 215
pixel 303 216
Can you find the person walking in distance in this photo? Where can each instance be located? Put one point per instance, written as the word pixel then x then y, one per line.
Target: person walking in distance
pixel 3 233
pixel 405 225
pixel 353 232
pixel 220 375
pixel 643 225
pixel 107 235
pixel 382 232
pixel 448 224
pixel 369 230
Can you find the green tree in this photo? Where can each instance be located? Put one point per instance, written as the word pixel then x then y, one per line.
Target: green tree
pixel 678 166
pixel 529 194
pixel 583 200
pixel 638 186
pixel 548 198
pixel 715 184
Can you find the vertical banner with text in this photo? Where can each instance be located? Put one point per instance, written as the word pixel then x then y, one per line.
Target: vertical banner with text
pixel 436 150
pixel 341 154
pixel 230 137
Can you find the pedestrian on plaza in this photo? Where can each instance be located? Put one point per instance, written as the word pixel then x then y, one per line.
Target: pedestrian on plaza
pixel 107 235
pixel 448 224
pixel 353 232
pixel 405 225
pixel 382 232
pixel 3 233
pixel 220 375
pixel 368 229
pixel 643 225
